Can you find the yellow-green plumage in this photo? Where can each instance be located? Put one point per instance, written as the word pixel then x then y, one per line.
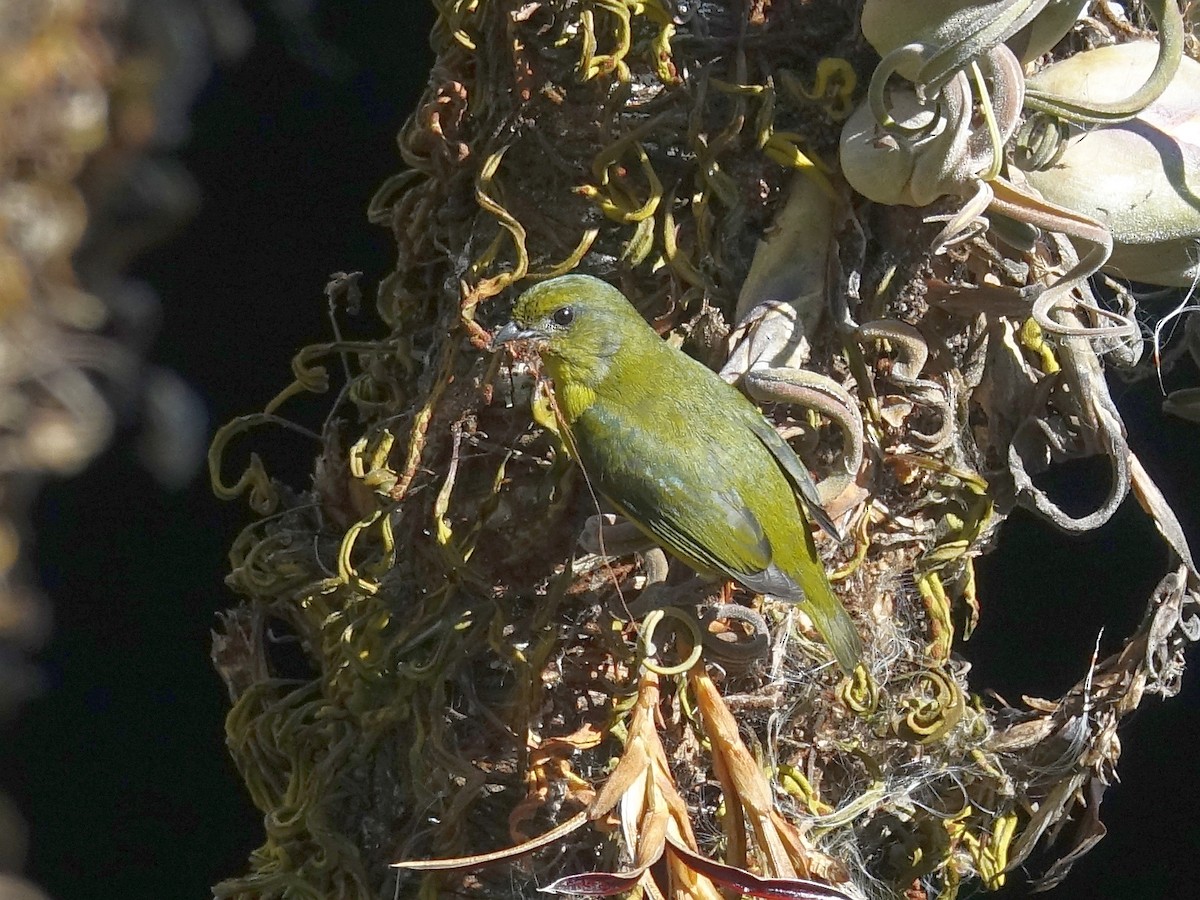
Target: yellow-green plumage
pixel 677 450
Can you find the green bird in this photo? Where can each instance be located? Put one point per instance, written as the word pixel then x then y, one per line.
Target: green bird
pixel 678 451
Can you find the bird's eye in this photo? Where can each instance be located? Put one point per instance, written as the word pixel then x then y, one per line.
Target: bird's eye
pixel 563 316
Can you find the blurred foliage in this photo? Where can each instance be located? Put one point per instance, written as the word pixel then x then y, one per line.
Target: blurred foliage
pixel 93 97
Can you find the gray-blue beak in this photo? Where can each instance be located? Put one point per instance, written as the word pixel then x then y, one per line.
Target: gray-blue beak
pixel 513 332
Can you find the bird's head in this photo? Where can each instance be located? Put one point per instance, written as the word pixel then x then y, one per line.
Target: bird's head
pixel 574 320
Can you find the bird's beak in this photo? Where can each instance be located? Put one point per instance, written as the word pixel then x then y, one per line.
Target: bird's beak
pixel 512 333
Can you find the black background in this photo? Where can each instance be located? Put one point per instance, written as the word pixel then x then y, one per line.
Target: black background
pixel 120 766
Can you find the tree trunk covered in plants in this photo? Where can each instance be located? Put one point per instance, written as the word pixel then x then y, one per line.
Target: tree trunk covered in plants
pixel 470 679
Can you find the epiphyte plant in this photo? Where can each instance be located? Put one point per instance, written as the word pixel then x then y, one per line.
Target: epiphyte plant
pixel 480 680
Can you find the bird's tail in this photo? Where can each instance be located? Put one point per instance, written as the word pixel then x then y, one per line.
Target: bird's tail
pixel 827 611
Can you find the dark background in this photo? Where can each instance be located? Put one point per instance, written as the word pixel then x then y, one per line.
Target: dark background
pixel 120 767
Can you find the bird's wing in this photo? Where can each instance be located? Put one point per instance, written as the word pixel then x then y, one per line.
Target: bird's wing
pixel 795 471
pixel 689 491
pixel 689 501
pixel 715 532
